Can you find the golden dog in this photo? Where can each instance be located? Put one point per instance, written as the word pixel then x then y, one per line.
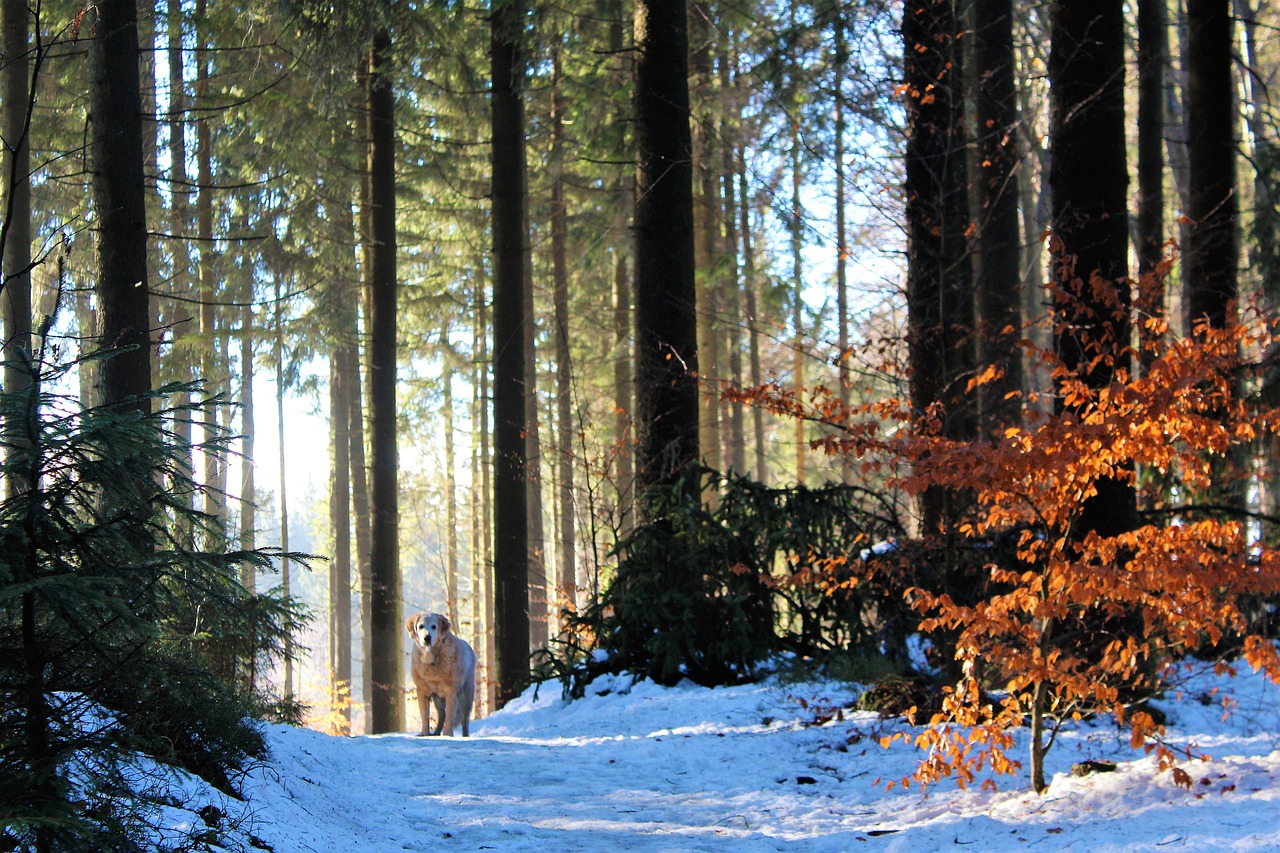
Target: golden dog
pixel 444 671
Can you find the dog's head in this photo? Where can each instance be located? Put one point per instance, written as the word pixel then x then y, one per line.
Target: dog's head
pixel 427 629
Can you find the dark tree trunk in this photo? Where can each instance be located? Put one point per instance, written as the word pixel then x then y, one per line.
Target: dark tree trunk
pixel 940 299
pixel 119 195
pixel 1088 183
pixel 760 469
pixel 666 310
pixel 999 275
pixel 510 247
pixel 15 231
pixel 842 236
pixel 1153 50
pixel 387 705
pixel 566 580
pixel 340 526
pixel 1211 249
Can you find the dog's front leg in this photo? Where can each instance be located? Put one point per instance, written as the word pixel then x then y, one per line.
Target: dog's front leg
pixel 450 712
pixel 424 705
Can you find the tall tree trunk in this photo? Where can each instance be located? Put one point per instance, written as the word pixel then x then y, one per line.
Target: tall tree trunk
pixel 1211 250
pixel 623 322
pixel 511 570
pixel 566 578
pixel 450 488
pixel 533 462
pixel 285 579
pixel 735 422
pixel 1088 182
pixel 210 369
pixel 1153 50
pixel 940 300
pixel 753 330
pixel 119 195
pixel 797 283
pixel 482 557
pixel 385 664
pixel 666 302
pixel 248 507
pixel 706 230
pixel 180 254
pixel 340 524
pixel 15 230
pixel 842 236
pixel 999 278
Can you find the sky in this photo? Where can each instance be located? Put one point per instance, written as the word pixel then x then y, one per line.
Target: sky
pixel 774 766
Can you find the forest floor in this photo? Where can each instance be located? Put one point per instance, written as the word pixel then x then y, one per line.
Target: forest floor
pixel 765 767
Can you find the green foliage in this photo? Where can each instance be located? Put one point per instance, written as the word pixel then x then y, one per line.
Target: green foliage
pixel 710 592
pixel 118 637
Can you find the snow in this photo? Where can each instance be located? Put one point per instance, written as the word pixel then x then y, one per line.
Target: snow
pixel 773 766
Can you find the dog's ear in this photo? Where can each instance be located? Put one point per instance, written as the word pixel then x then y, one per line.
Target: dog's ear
pixel 408 624
pixel 445 624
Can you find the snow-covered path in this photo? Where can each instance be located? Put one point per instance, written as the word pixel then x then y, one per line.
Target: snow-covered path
pixel 745 769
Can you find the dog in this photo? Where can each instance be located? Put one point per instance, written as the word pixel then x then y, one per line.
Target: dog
pixel 444 671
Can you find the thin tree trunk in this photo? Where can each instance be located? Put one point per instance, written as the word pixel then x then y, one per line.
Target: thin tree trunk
pixel 179 219
pixel 533 469
pixel 209 366
pixel 511 564
pixel 387 705
pixel 248 506
pixel 735 422
pixel 707 232
pixel 450 487
pixel 340 525
pixel 797 283
pixel 482 574
pixel 567 581
pixel 1153 50
pixel 753 328
pixel 285 579
pixel 623 322
pixel 842 238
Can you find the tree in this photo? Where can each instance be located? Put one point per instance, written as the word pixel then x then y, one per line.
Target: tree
pixel 510 312
pixel 119 196
pixel 387 706
pixel 666 355
pixel 1037 633
pixel 940 301
pixel 1088 181
pixel 15 227
pixel 1211 248
pixel 106 613
pixel 998 280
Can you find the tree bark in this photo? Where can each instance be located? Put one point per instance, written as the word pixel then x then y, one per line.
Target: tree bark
pixel 760 470
pixel 999 276
pixel 566 579
pixel 940 299
pixel 387 704
pixel 1212 247
pixel 666 303
pixel 15 232
pixel 1088 182
pixel 119 195
pixel 1153 50
pixel 340 522
pixel 511 570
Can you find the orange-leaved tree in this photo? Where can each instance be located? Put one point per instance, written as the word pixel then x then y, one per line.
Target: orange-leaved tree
pixel 1073 622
